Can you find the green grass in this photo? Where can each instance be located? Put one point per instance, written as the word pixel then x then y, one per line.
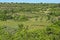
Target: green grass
pixel 29 21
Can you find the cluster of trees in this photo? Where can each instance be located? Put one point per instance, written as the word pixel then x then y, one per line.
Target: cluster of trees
pixel 12 8
pixel 5 15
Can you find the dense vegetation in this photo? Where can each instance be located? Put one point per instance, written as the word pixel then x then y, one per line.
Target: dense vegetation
pixel 29 21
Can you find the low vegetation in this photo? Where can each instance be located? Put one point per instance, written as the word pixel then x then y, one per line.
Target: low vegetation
pixel 29 21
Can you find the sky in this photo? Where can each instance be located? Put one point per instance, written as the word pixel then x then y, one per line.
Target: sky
pixel 32 1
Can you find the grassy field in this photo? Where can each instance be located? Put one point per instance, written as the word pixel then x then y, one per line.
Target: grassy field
pixel 25 21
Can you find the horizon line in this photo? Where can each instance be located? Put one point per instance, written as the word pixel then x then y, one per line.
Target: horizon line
pixel 28 2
